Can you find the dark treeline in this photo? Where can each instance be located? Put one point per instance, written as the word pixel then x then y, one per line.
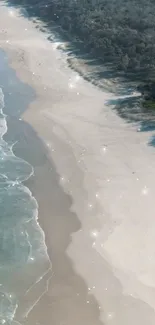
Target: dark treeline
pixel 121 32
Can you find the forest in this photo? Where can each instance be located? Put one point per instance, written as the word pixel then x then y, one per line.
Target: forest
pixel 120 32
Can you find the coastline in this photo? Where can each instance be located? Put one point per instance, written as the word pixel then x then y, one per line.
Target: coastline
pixel 60 287
pixel 64 288
pixel 74 143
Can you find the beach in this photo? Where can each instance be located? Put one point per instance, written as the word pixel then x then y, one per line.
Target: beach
pixel 94 183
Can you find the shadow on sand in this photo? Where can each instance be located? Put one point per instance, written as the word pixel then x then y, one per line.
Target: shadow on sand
pixel 65 302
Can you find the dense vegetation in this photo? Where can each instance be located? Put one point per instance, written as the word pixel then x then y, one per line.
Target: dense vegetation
pixel 121 32
pixel 148 92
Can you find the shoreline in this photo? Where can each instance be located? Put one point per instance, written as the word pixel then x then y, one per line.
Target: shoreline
pixel 63 283
pixel 30 147
pixel 74 292
pixel 31 273
pixel 96 168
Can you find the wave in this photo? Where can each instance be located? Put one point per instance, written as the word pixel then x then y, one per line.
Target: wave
pixel 22 241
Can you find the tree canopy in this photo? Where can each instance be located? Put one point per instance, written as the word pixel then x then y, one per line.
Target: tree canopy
pixel 121 32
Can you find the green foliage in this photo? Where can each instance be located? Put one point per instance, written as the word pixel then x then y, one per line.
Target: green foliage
pixel 120 32
pixel 149 104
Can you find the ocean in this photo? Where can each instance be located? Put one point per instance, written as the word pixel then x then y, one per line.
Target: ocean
pixel 23 254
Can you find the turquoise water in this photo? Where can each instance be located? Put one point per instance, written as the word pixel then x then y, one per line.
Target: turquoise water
pixel 23 254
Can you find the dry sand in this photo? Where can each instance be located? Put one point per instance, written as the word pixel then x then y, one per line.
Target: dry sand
pixel 108 171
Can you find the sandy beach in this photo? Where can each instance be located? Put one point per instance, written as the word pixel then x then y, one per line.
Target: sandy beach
pixel 94 182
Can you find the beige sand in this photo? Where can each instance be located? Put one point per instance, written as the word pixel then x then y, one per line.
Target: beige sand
pixel 109 171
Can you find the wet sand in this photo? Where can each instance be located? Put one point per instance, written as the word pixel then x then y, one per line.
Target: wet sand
pixel 94 181
pixel 66 293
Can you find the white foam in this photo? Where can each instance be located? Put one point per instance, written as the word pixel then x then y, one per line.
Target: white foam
pixel 8 153
pixel 124 217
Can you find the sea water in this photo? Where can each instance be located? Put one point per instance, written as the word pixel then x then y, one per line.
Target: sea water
pixel 23 254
